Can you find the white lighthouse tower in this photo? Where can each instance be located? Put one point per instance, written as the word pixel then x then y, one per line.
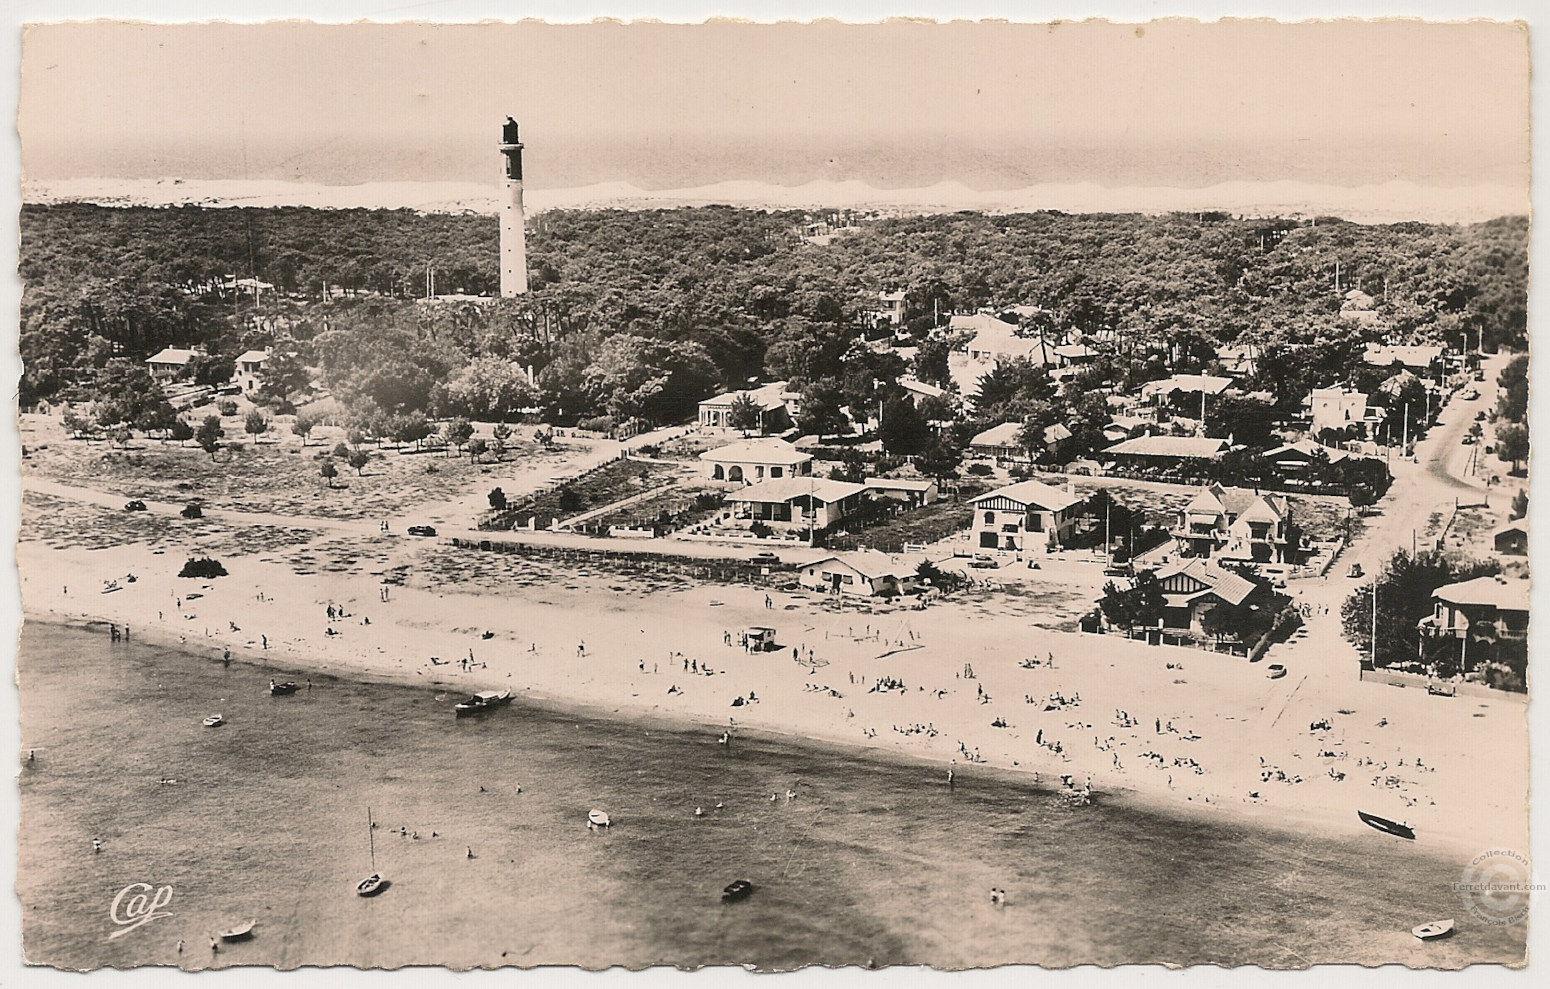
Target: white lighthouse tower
pixel 513 218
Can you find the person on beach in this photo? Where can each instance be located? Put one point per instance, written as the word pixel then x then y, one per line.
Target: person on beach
pixel 96 845
pixel 226 656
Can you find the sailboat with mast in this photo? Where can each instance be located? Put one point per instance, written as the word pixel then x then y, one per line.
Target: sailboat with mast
pixel 374 883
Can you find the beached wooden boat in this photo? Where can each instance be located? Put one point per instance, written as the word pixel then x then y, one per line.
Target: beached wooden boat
pixel 214 721
pixel 374 883
pixel 282 689
pixel 598 819
pixel 1395 828
pixel 371 885
pixel 1276 671
pixel 738 889
pixel 485 700
pixel 240 932
pixel 1434 930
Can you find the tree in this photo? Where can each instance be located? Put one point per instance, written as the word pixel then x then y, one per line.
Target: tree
pixel 329 472
pixel 458 432
pixel 930 363
pixel 209 435
pixel 497 499
pixel 410 427
pixel 1513 403
pixel 902 430
pixel 256 425
pixel 1138 606
pixel 940 459
pixel 821 412
pixel 1246 622
pixel 359 459
pixel 1519 506
pixel 745 414
pixel 303 427
pixel 1039 417
pixel 284 374
pixel 1361 496
pixel 487 388
pixel 1405 589
pixel 1512 443
pixel 182 431
pixel 1011 382
pixel 75 425
pixel 477 448
pixel 656 380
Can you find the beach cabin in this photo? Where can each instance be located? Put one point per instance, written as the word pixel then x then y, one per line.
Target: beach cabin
pixel 759 638
pixel 864 574
pixel 914 494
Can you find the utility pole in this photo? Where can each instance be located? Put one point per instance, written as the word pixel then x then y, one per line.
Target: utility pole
pixel 1375 622
pixel 1404 443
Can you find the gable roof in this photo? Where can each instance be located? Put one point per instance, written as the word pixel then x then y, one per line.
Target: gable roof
pixel 1230 587
pixel 1183 447
pixel 770 396
pixel 1306 448
pixel 171 355
pixel 1494 592
pixel 1002 435
pixel 897 484
pixel 1033 493
pixel 784 489
pixel 253 357
pixel 1209 383
pixel 921 388
pixel 872 564
pixel 765 451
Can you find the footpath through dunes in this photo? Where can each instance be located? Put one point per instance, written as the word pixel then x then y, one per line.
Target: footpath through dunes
pixel 481 831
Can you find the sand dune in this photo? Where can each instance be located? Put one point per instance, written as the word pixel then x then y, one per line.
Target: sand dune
pixel 1389 202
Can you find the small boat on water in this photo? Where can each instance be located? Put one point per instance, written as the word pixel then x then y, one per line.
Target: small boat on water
pixel 1396 828
pixel 282 689
pixel 737 889
pixel 214 721
pixel 240 932
pixel 484 700
pixel 1434 930
pixel 598 819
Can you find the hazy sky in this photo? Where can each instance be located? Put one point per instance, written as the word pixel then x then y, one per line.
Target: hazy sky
pixel 992 105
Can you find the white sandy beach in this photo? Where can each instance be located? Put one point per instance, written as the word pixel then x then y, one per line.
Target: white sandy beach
pixel 1454 768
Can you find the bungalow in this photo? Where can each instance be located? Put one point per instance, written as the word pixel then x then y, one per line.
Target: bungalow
pixel 1192 588
pixel 1293 459
pixel 774 401
pixel 752 461
pixel 797 502
pixel 1512 538
pixel 1187 385
pixel 1071 354
pixel 992 340
pixel 1234 524
pixel 1123 427
pixel 1486 607
pixel 913 493
pixel 250 366
pixel 1165 450
pixel 1001 442
pixel 1421 359
pixel 869 574
pixel 919 391
pixel 1237 362
pixel 1024 516
pixel 169 363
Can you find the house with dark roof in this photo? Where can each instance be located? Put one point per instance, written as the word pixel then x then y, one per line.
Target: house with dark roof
pixel 1237 524
pixel 1025 516
pixel 1192 588
pixel 1511 539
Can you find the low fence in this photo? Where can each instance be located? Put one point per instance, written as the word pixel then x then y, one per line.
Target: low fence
pixel 1461 688
pixel 718 570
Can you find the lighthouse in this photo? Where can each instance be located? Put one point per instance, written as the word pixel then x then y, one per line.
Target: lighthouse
pixel 513 219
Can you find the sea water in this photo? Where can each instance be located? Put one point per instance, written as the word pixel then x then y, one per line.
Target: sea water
pixel 872 861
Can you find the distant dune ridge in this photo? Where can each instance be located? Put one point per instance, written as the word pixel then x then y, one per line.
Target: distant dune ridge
pixel 1386 203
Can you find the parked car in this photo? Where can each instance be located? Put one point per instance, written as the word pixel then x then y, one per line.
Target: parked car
pixel 982 562
pixel 765 558
pixel 193 512
pixel 422 530
pixel 1119 570
pixel 134 506
pixel 1355 571
pixel 1471 395
pixel 1276 671
pixel 1480 416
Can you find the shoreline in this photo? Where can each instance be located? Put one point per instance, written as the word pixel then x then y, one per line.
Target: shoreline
pixel 1107 791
